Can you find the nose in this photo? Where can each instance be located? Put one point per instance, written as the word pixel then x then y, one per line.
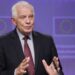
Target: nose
pixel 27 20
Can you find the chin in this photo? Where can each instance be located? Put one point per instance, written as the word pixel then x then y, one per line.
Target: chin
pixel 28 31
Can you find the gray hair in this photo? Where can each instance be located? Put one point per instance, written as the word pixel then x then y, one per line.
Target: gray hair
pixel 25 3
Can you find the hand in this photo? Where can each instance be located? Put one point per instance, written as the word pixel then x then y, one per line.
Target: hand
pixel 56 63
pixel 50 69
pixel 21 69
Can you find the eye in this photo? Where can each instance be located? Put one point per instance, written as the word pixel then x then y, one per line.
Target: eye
pixel 31 16
pixel 22 17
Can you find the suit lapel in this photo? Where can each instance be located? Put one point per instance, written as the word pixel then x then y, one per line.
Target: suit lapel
pixel 17 46
pixel 36 49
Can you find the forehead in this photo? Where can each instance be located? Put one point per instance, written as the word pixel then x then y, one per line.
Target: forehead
pixel 24 9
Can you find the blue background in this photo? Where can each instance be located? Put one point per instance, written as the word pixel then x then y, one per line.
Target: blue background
pixel 53 17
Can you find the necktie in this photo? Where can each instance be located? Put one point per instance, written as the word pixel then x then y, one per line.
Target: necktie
pixel 27 53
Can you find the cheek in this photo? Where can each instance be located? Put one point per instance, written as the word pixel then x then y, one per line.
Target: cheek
pixel 20 23
pixel 32 21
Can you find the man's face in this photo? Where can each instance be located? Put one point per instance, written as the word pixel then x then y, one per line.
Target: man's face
pixel 24 20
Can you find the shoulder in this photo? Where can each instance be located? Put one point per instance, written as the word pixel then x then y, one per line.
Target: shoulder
pixel 42 36
pixel 7 36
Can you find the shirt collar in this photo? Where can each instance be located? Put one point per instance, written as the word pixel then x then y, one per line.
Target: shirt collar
pixel 21 36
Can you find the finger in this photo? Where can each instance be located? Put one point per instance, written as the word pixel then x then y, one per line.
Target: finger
pixel 55 61
pixel 24 64
pixel 44 63
pixel 25 61
pixel 24 67
pixel 21 72
pixel 52 66
pixel 55 58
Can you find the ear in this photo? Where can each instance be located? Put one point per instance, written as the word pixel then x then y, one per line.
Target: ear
pixel 13 21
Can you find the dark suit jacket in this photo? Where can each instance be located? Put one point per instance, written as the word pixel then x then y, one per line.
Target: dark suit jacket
pixel 11 53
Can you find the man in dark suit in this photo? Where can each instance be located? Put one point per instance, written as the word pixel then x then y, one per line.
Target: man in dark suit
pixel 12 58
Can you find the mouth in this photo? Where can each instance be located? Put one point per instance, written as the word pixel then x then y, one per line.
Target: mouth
pixel 28 27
